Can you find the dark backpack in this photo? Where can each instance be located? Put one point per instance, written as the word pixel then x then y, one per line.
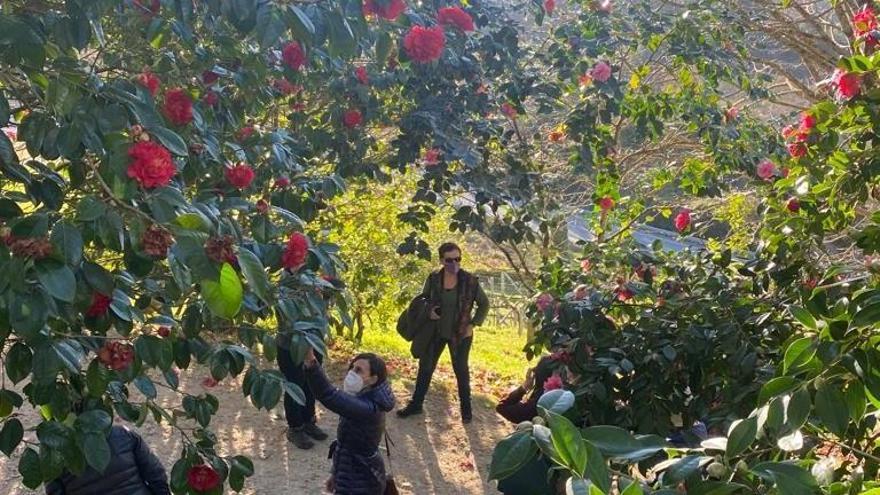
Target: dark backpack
pixel 414 317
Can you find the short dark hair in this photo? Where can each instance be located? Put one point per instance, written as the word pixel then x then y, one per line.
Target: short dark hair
pixel 447 247
pixel 377 365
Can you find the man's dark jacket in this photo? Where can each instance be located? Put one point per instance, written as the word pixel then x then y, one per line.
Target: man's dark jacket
pixel 133 470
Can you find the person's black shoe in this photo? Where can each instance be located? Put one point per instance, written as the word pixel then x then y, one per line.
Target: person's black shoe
pixel 314 431
pixel 410 410
pixel 466 417
pixel 298 437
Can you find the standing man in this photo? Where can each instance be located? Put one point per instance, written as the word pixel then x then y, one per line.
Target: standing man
pixel 459 305
pixel 302 425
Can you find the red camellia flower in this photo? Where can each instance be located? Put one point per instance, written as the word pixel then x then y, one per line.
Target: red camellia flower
pixel 150 81
pixel 864 22
pixel 210 77
pixel 202 478
pixel 455 17
pixel 508 110
pixel 797 149
pixel 424 44
pixel 262 206
pixel 285 87
pixel 793 205
pixel 239 176
pixel 682 220
pixel 293 55
pixel 282 182
pixel 352 118
pixel 100 305
pixel 164 331
pixel 28 247
pixel 361 74
pixel 623 293
pixel 155 241
pixel 178 107
pixel 846 85
pixel 245 132
pixel 549 6
pixel 294 255
pixel 431 157
pixel 211 98
pixel 553 383
pixel 151 164
pixel 386 9
pixel 220 249
pixel 116 355
pixel 606 203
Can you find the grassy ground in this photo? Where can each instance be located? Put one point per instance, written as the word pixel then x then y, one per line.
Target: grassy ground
pixel 496 359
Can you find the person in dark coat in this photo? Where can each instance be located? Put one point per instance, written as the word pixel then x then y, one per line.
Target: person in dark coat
pixel 133 470
pixel 459 305
pixel 358 468
pixel 531 478
pixel 302 422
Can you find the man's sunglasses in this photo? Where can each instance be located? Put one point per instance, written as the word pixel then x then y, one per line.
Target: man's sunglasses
pixel 449 261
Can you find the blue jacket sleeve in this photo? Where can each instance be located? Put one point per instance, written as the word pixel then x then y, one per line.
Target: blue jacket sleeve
pixel 341 403
pixel 151 469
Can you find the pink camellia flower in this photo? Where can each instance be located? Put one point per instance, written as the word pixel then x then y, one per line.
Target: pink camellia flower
pixel 431 157
pixel 544 301
pixel 508 110
pixel 361 74
pixel 808 121
pixel 586 266
pixel 793 205
pixel 606 203
pixel 601 72
pixel 683 220
pixel 864 22
pixel 731 113
pixel 766 169
pixel 846 84
pixel 549 6
pixel 553 383
pixel 788 131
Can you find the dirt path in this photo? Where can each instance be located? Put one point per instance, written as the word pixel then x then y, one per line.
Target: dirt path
pixel 434 453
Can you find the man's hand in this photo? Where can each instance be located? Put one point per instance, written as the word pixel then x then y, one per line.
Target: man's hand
pixel 468 331
pixel 433 315
pixel 529 382
pixel 310 360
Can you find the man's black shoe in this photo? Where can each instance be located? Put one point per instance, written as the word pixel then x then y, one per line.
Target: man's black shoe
pixel 410 410
pixel 314 431
pixel 298 437
pixel 467 417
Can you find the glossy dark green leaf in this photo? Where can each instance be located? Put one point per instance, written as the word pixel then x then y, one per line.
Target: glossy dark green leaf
pixel 11 435
pixel 511 454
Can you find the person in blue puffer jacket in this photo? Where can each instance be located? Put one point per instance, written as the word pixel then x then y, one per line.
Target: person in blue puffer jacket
pixel 358 468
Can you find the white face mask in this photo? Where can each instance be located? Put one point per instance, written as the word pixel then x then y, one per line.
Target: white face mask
pixel 353 383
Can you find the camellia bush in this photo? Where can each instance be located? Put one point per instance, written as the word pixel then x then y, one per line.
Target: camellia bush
pixel 774 350
pixel 163 164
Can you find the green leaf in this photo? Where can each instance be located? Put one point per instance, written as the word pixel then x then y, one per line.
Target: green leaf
pixel 799 353
pixel 155 351
pixel 193 221
pixel 68 241
pixel 830 407
pixel 597 470
pixel 18 362
pixel 776 386
pixel 798 409
pixel 568 443
pixel 684 468
pixel 618 443
pixel 98 277
pixel 302 26
pixel 511 454
pixel 170 140
pixel 29 467
pixel 342 39
pixel 255 275
pixel 94 421
pixel 741 436
pixel 10 436
pixel 558 401
pixel 790 479
pixel 224 297
pixel 803 317
pixel 856 401
pixel 633 489
pixel 867 316
pixel 97 378
pixel 97 451
pixel 58 280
